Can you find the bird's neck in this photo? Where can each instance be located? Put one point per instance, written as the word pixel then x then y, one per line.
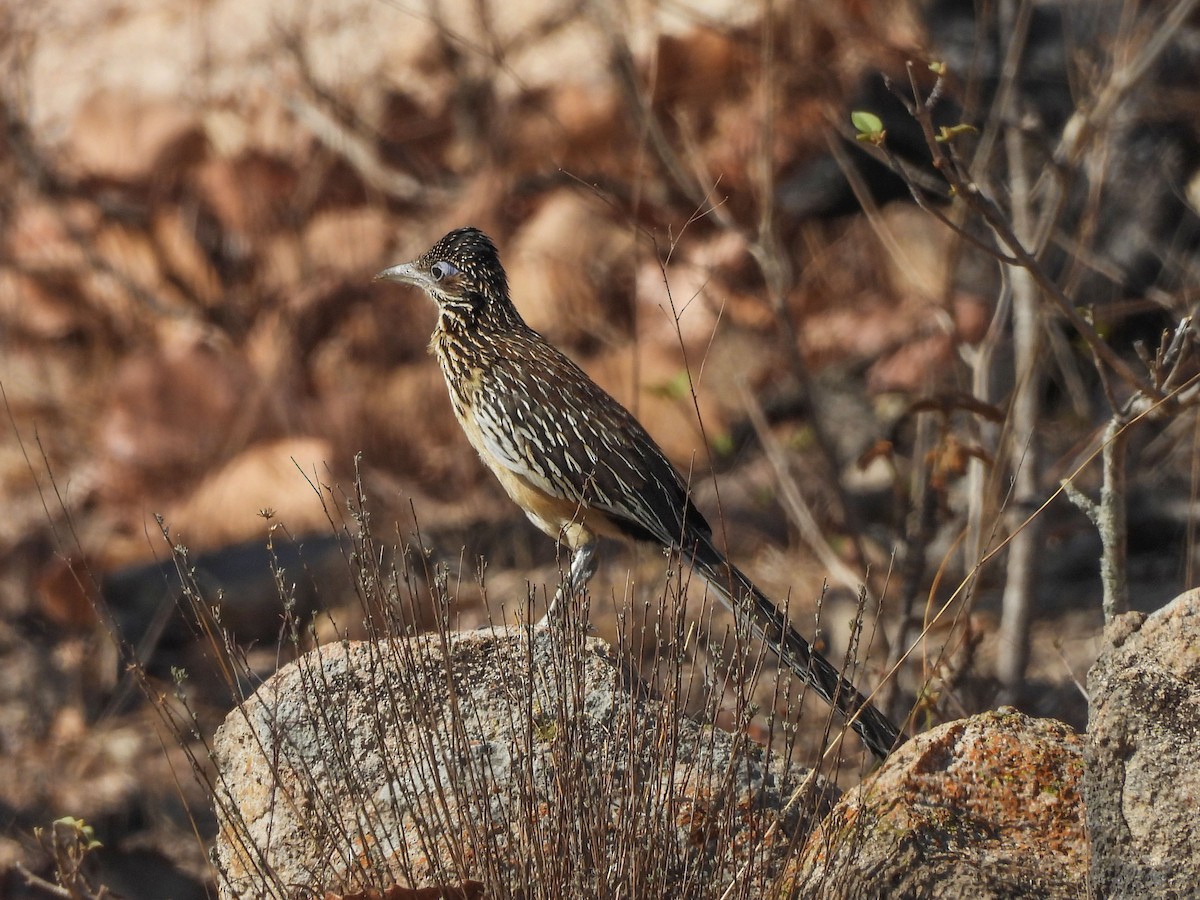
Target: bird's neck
pixel 457 319
pixel 472 321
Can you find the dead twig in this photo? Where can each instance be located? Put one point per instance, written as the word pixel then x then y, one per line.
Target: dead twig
pixel 798 510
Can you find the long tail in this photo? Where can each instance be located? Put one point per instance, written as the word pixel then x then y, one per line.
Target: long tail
pixel 767 621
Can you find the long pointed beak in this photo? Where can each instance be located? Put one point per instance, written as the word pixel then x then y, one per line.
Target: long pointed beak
pixel 405 273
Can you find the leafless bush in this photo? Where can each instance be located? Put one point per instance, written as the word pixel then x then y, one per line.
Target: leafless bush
pixel 1022 221
pixel 602 829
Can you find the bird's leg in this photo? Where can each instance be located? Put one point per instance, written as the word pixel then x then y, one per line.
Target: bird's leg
pixel 583 567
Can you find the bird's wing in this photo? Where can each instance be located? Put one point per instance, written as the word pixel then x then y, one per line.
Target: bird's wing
pixel 563 433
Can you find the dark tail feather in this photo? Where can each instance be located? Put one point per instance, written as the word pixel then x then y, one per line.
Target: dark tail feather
pixel 767 621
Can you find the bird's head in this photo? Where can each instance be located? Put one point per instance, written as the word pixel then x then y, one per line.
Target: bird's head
pixel 463 275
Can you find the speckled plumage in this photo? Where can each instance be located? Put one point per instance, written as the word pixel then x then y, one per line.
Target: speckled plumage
pixel 576 461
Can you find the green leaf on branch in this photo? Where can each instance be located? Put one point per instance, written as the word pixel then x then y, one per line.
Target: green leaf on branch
pixel 869 127
pixel 950 132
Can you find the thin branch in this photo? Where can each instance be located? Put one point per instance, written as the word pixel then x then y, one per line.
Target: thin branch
pixel 1088 119
pixel 1109 517
pixel 359 152
pixel 1021 569
pixel 971 193
pixel 798 511
pixel 41 884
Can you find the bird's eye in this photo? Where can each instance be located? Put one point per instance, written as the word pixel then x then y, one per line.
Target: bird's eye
pixel 440 270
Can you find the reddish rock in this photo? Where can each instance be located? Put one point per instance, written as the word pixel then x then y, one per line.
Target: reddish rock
pixel 984 807
pixel 122 136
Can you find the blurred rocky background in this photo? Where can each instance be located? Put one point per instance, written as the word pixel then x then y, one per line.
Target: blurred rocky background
pixel 192 354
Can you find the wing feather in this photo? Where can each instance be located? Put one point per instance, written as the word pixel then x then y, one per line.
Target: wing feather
pixel 563 433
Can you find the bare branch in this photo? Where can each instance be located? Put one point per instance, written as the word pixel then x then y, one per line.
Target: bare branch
pixel 798 511
pixel 973 195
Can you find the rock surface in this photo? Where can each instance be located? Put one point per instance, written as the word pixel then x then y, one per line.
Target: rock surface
pixel 983 807
pixel 505 756
pixel 1142 788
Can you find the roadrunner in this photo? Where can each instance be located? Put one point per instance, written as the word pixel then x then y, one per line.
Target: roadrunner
pixel 577 462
